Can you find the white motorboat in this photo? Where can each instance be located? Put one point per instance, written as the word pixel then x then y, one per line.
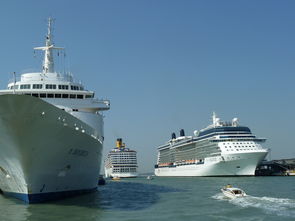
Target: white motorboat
pixel 233 192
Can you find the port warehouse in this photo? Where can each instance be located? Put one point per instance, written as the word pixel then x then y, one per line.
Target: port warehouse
pixel 283 167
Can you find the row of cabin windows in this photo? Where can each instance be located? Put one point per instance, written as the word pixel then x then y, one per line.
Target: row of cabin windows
pixel 25 86
pixel 75 88
pixel 72 96
pixel 124 170
pixel 50 86
pixel 37 86
pixel 47 86
pixel 63 87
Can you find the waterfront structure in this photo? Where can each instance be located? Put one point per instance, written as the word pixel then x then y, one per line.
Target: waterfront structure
pixel 121 162
pixel 51 134
pixel 221 149
pixel 282 167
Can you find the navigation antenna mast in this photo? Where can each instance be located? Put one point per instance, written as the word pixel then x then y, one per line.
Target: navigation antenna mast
pixel 214 119
pixel 48 63
pixel 14 82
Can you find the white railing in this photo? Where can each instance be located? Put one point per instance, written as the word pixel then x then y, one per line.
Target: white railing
pixel 62 77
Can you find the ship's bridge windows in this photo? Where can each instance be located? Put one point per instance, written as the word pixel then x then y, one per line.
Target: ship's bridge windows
pixel 75 88
pixel 50 86
pixel 53 95
pixel 63 87
pixel 13 87
pixel 37 86
pixel 25 86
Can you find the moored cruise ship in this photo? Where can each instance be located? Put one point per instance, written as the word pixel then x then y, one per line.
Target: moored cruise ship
pixel 51 134
pixel 121 162
pixel 221 149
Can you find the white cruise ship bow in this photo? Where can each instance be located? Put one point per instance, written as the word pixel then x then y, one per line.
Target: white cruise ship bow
pixel 51 134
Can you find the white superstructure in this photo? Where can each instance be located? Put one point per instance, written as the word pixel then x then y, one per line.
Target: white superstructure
pixel 51 134
pixel 121 162
pixel 221 149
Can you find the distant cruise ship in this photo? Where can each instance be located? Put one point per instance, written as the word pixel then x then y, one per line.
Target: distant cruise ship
pixel 221 149
pixel 51 134
pixel 121 162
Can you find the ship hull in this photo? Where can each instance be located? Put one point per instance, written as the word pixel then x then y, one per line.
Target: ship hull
pixel 110 174
pixel 46 153
pixel 226 165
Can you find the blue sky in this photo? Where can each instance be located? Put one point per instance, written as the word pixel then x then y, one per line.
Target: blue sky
pixel 167 65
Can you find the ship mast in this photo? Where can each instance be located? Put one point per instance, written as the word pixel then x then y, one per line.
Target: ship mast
pixel 214 119
pixel 48 63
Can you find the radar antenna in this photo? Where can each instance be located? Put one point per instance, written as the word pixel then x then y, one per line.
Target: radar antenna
pixel 214 118
pixel 48 64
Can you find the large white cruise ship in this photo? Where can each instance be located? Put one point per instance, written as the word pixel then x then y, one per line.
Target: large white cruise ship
pixel 221 149
pixel 51 134
pixel 121 162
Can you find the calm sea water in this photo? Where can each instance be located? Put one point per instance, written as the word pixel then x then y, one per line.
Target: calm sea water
pixel 270 198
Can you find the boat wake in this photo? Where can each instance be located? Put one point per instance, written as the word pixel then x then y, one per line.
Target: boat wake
pixel 278 206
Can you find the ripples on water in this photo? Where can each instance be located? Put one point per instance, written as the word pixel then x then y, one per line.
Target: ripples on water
pixel 275 206
pixel 131 196
pixel 115 196
pixel 172 199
